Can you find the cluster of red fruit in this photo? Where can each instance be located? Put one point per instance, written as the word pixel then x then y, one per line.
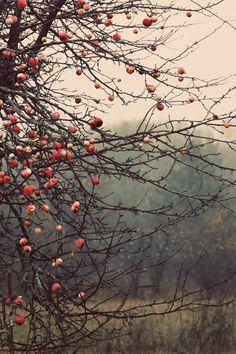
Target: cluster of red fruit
pixel 19 319
pixel 4 178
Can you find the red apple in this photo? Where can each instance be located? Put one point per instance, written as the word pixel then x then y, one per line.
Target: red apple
pixel 75 207
pixel 130 69
pixel 21 77
pixel 55 115
pixel 79 3
pixel 27 249
pixel 26 173
pixel 80 243
pixel 147 22
pixel 116 37
pixel 13 119
pixel 48 171
pixel 21 4
pixel 30 209
pixel 56 287
pixel 28 189
pixel 32 134
pixel 19 300
pixel 57 145
pixel 81 295
pixel 37 192
pixel 79 72
pixel 55 155
pixel 160 106
pixel 19 320
pixel 96 42
pixel 73 129
pixel 33 61
pixel 59 227
pixel 69 155
pixel 16 129
pixel 96 122
pixel 6 179
pixel 63 36
pixel 44 207
pixel 151 88
pixel 90 148
pixel 23 241
pixel 13 163
pixel 181 71
pixel 95 180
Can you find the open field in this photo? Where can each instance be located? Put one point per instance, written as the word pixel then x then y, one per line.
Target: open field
pixel 209 330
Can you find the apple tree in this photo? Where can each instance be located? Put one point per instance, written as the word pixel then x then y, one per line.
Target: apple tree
pixel 65 231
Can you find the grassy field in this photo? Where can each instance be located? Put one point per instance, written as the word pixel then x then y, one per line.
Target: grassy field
pixel 204 331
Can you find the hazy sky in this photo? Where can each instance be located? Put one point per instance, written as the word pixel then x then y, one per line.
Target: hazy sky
pixel 214 57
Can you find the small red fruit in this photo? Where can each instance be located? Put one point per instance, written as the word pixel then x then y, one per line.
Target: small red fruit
pixel 27 249
pixel 44 207
pixel 79 3
pixel 147 22
pixel 32 134
pixel 90 148
pixel 55 115
pixel 21 77
pixel 48 171
pixel 181 71
pixel 72 129
pixel 56 287
pixel 75 207
pixel 130 69
pixel 19 320
pixel 96 122
pixel 57 145
pixel 21 4
pixel 55 155
pixel 81 295
pixel 13 163
pixel 33 61
pixel 37 192
pixel 13 119
pixel 151 88
pixel 79 72
pixel 80 243
pixel 95 180
pixel 28 189
pixel 63 36
pixel 69 155
pixel 6 179
pixel 30 209
pixel 116 37
pixel 16 129
pixel 160 106
pixel 19 300
pixel 23 241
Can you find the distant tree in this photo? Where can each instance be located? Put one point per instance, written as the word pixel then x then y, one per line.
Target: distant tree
pixel 62 230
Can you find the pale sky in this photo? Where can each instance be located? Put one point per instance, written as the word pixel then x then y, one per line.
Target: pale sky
pixel 214 57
